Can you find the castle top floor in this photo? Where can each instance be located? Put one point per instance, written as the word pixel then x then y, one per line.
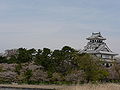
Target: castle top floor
pixel 96 37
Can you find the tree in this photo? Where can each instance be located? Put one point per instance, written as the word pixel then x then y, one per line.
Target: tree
pixel 92 68
pixel 43 58
pixel 18 68
pixel 31 53
pixel 3 59
pixel 28 74
pixel 12 59
pixel 22 55
pixel 114 70
pixel 25 55
pixel 63 60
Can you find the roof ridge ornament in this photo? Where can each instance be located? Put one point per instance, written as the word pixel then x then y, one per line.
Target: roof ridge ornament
pixel 96 33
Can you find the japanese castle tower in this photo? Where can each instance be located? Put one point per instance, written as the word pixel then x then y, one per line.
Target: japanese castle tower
pixel 96 46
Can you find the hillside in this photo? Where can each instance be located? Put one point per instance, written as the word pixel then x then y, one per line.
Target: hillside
pixel 65 66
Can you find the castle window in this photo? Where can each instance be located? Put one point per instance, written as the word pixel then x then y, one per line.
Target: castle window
pixel 106 56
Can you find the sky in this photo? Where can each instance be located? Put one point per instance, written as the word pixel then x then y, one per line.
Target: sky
pixel 56 23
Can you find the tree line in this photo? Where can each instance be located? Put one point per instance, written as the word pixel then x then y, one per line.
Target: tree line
pixel 66 64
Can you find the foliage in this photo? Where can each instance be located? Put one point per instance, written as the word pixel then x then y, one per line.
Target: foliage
pixel 62 65
pixel 23 56
pixel 28 74
pixel 3 59
pixel 43 58
pixel 18 68
pixel 92 68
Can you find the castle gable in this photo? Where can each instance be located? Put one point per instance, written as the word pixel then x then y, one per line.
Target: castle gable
pixel 103 48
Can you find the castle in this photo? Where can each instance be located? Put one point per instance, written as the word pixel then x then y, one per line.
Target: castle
pixel 96 46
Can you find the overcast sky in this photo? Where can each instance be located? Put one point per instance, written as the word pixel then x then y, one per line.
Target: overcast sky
pixel 56 23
